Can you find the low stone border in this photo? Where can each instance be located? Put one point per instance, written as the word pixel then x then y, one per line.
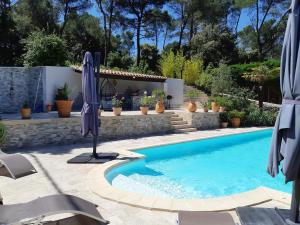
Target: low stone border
pixel 99 185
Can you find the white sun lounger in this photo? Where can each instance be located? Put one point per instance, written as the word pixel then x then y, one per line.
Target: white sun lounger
pixel 35 211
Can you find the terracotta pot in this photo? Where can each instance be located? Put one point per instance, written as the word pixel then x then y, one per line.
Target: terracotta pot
pixel 159 107
pixel 215 107
pixel 236 122
pixel 205 109
pixel 64 108
pixel 26 113
pixel 222 109
pixel 49 108
pixel 144 110
pixel 117 111
pixel 192 107
pixel 224 124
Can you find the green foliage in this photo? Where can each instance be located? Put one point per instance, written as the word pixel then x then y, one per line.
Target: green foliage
pixel 44 50
pixel 261 74
pixel 82 33
pixel 216 80
pixel 192 70
pixel 224 101
pixel 192 94
pixel 224 117
pixel 258 117
pixel 215 45
pixel 63 93
pixel 150 57
pixel 26 105
pixel 118 60
pixel 147 101
pixel 236 114
pixel 116 102
pixel 3 134
pixel 158 94
pixel 172 64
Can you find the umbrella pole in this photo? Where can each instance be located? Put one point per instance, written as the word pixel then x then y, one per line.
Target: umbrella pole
pixel 294 217
pixel 95 146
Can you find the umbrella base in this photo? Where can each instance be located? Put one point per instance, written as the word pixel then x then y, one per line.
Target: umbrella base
pixel 88 158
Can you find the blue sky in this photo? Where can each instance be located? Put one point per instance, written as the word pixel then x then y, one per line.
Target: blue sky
pixel 244 21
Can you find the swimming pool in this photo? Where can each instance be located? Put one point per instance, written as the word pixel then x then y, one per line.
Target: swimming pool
pixel 200 169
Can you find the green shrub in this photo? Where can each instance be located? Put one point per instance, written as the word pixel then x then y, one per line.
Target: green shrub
pixel 116 102
pixel 158 94
pixel 63 93
pixel 256 117
pixel 147 101
pixel 236 114
pixel 192 94
pixel 44 50
pixel 224 117
pixel 223 101
pixel 3 134
pixel 204 82
pixel 192 70
pixel 172 65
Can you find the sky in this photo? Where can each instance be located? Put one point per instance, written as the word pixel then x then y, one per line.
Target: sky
pixel 244 21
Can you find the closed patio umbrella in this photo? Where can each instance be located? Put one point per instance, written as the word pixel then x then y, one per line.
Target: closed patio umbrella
pixel 89 114
pixel 285 145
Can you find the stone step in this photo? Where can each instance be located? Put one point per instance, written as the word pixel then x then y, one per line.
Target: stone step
pixel 178 122
pixel 186 130
pixel 176 119
pixel 181 126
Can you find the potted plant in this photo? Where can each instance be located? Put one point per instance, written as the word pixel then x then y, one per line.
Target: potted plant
pixel 205 107
pixel 117 105
pixel 235 118
pixel 215 107
pixel 63 103
pixel 159 95
pixel 26 111
pixel 145 103
pixel 224 119
pixel 192 95
pixel 49 107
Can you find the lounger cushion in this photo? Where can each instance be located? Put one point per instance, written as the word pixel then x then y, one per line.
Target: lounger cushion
pixel 204 218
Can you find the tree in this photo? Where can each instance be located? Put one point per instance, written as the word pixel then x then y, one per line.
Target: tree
pixel 266 20
pixel 83 33
pixel 44 50
pixel 134 12
pixel 107 8
pixel 157 21
pixel 31 15
pixel 260 75
pixel 215 45
pixel 10 46
pixel 71 6
pixel 172 64
pixel 150 57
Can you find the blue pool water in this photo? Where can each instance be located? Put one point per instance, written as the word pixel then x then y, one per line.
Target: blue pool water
pixel 201 169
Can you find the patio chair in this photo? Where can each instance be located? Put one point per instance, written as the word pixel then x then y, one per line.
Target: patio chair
pixel 204 218
pixel 16 165
pixel 35 211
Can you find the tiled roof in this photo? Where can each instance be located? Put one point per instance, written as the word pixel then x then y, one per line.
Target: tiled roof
pixel 123 75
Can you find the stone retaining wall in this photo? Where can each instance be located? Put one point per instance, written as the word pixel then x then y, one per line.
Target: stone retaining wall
pixel 59 131
pixel 19 84
pixel 201 120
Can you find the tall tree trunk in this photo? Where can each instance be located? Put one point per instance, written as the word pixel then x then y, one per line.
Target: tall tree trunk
pixel 105 30
pixel 138 39
pixel 66 11
pixel 165 38
pixel 110 20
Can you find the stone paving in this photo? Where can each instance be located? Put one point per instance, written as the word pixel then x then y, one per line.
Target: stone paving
pixel 56 176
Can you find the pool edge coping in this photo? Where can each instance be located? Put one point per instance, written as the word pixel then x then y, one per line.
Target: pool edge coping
pixel 98 184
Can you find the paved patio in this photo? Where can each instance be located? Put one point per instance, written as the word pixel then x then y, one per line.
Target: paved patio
pixel 56 176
